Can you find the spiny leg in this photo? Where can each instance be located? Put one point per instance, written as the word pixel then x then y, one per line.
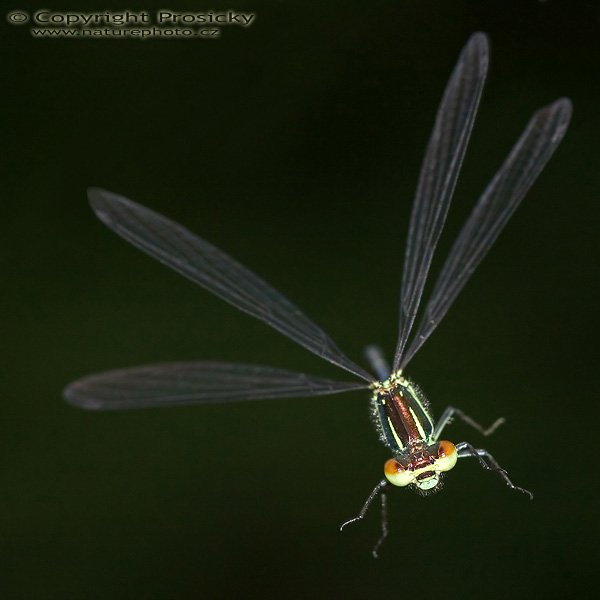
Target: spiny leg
pixel 447 415
pixel 363 511
pixel 488 462
pixel 384 524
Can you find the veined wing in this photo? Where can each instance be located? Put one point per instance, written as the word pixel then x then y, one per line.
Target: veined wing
pixel 206 265
pixel 180 383
pixel 439 172
pixel 498 202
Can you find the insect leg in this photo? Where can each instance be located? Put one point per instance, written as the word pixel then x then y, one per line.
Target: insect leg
pixel 363 511
pixel 446 419
pixel 384 524
pixel 488 462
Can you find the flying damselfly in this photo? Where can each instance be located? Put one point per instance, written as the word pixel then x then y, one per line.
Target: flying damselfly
pixel 398 407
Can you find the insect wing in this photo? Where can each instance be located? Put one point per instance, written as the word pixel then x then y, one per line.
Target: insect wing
pixel 496 205
pixel 437 180
pixel 181 383
pixel 206 265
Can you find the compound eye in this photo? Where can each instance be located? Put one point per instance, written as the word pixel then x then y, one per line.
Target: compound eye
pixel 447 456
pixel 397 474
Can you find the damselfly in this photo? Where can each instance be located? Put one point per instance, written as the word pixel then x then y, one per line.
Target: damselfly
pixel 399 409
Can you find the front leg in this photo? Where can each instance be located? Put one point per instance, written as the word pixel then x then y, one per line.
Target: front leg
pixel 447 415
pixel 488 462
pixel 378 489
pixel 384 524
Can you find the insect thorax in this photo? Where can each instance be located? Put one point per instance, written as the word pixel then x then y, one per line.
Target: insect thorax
pixel 400 413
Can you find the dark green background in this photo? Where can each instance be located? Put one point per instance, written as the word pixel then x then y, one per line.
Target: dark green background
pixel 294 145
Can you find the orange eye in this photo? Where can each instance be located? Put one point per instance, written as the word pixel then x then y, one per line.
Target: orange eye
pixel 396 474
pixel 446 448
pixel 447 456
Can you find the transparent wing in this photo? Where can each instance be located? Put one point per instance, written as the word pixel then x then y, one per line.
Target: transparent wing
pixel 196 259
pixel 172 384
pixel 439 172
pixel 498 202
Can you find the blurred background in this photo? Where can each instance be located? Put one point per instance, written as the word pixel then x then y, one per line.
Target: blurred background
pixel 294 144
